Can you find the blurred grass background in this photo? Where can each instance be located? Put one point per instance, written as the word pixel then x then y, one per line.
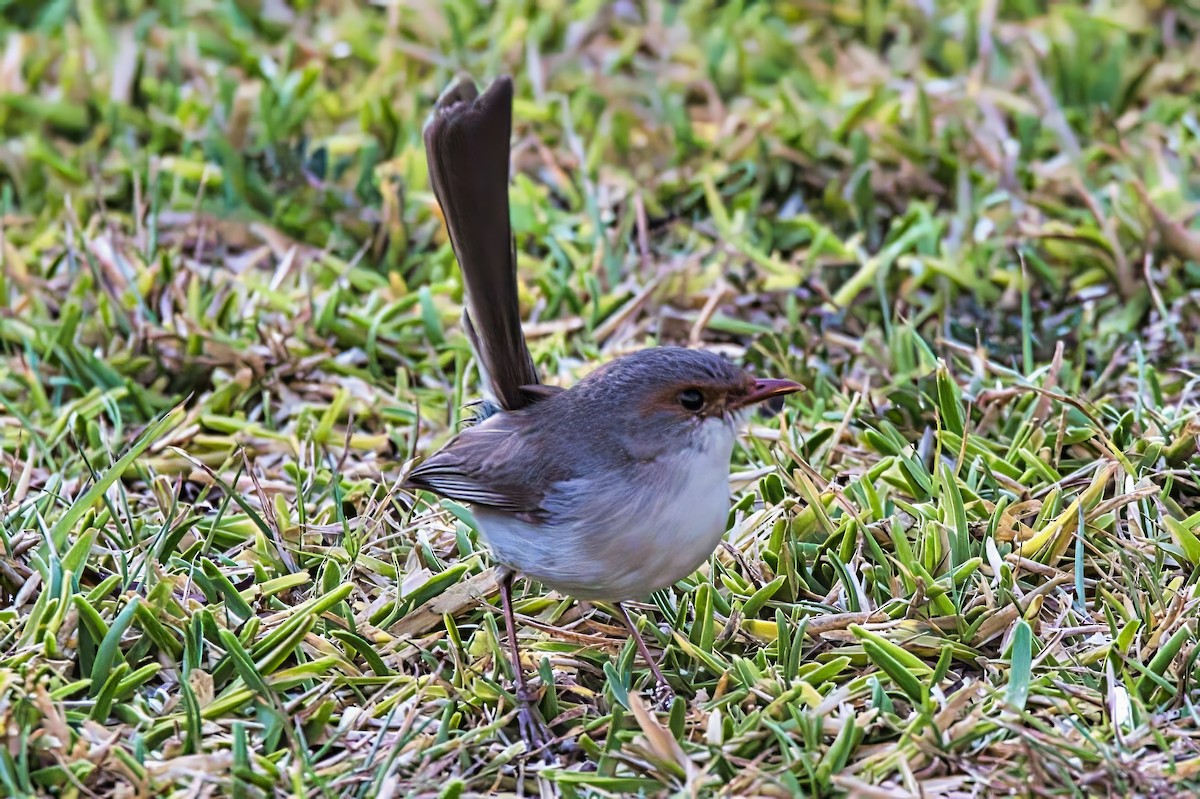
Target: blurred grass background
pixel 963 563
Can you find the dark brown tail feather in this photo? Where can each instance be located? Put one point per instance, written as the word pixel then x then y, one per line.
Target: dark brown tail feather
pixel 467 148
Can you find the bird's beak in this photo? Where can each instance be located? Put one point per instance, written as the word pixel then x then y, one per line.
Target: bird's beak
pixel 766 388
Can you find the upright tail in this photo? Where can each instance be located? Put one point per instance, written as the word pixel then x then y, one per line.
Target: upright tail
pixel 467 148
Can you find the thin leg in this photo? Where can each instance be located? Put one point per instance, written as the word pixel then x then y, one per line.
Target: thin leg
pixel 663 693
pixel 533 730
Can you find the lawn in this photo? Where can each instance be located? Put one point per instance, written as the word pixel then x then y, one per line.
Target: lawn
pixel 963 563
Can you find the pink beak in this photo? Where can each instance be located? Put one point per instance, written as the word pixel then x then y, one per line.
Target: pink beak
pixel 766 388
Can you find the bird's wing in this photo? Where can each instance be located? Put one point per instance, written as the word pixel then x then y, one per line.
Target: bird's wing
pixel 497 464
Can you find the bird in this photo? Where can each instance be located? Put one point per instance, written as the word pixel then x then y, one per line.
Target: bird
pixel 605 491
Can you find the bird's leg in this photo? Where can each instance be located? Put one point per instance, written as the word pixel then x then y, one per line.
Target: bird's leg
pixel 533 729
pixel 663 693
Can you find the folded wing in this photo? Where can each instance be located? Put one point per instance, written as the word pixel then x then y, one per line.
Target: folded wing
pixel 495 465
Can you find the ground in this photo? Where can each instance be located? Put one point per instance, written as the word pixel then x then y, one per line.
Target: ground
pixel 963 563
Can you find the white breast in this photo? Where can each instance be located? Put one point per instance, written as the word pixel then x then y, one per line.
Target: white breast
pixel 624 536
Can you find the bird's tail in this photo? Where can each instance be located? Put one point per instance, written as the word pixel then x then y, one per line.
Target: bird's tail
pixel 467 148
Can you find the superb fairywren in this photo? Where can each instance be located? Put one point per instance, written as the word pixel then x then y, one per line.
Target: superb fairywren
pixel 609 490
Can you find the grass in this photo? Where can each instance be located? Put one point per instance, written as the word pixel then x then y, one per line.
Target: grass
pixel 963 563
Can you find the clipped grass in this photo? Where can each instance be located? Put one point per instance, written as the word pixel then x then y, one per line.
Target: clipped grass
pixel 963 563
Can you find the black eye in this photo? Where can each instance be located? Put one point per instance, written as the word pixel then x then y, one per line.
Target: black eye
pixel 691 399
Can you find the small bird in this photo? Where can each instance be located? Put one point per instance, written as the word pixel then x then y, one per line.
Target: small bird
pixel 609 490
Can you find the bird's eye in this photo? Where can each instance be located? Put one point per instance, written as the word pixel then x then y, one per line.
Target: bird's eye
pixel 691 399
